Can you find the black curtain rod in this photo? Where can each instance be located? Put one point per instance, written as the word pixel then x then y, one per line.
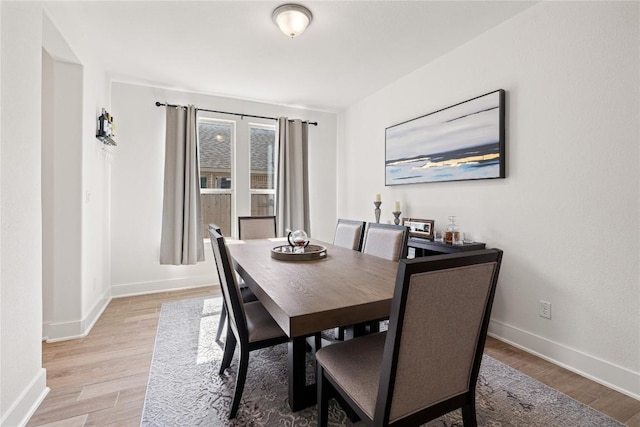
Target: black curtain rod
pixel 160 104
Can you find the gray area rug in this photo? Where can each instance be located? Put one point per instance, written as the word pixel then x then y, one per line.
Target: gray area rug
pixel 185 389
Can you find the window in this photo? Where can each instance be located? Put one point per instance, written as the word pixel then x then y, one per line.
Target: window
pixel 262 143
pixel 237 171
pixel 215 145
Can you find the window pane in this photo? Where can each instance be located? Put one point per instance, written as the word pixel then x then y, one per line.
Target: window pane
pixel 216 209
pixel 262 158
pixel 262 204
pixel 215 139
pixel 215 154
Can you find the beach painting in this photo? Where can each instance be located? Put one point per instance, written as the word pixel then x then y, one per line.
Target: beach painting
pixel 461 142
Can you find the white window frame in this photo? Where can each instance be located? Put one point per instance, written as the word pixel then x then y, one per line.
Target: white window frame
pixel 232 190
pixel 241 191
pixel 276 149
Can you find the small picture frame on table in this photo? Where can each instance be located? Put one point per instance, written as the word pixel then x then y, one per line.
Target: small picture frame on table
pixel 422 228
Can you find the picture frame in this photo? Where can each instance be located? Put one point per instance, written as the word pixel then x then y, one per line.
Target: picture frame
pixel 463 142
pixel 422 228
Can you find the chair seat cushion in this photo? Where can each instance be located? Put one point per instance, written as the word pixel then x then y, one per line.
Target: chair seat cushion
pixel 260 324
pixel 355 365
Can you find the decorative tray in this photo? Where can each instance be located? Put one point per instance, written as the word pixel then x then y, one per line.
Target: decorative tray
pixel 286 253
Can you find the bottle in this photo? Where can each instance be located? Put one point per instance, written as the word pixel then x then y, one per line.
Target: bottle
pixel 108 124
pixel 102 123
pixel 453 231
pixel 99 131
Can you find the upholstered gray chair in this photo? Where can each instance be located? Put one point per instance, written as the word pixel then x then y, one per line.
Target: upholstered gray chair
pixel 349 234
pixel 256 227
pixel 245 292
pixel 251 326
pixel 427 363
pixel 386 241
pixel 382 240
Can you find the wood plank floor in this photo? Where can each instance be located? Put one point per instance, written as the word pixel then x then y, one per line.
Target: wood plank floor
pixel 100 380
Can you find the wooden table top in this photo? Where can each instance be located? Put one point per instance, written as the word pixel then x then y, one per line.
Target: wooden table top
pixel 304 297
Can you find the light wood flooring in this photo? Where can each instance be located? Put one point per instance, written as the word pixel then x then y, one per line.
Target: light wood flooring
pixel 100 380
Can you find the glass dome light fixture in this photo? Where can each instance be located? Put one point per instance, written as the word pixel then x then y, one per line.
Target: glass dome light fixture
pixel 292 19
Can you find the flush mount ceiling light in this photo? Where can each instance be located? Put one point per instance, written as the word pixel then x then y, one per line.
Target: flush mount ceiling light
pixel 292 19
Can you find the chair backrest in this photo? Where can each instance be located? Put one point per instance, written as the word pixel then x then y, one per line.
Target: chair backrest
pixel 256 227
pixel 386 241
pixel 437 329
pixel 230 289
pixel 349 234
pixel 214 227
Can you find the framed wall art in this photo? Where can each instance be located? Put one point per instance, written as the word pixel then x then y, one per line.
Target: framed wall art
pixel 419 227
pixel 465 141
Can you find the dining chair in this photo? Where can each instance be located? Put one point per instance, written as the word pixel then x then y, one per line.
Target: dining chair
pixel 427 363
pixel 386 241
pixel 247 295
pixel 349 234
pixel 263 227
pixel 256 227
pixel 251 327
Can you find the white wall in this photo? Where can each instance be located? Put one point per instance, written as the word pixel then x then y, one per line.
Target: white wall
pixel 567 215
pixel 61 197
pixel 22 383
pixel 47 179
pixel 95 197
pixel 137 184
pixel 25 29
pixel 79 269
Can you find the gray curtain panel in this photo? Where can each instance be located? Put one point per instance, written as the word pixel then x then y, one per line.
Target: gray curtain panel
pixel 181 242
pixel 293 184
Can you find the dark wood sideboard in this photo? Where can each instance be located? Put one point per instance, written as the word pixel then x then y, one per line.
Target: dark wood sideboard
pixel 426 247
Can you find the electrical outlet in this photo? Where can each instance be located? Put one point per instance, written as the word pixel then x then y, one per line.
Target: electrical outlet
pixel 545 309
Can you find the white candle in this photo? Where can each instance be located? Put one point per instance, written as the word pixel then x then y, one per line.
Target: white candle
pixel 378 197
pixel 397 207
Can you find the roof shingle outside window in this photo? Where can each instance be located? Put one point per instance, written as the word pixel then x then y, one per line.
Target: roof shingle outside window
pixel 215 146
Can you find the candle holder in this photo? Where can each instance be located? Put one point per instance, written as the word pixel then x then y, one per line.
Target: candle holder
pixel 396 220
pixel 377 211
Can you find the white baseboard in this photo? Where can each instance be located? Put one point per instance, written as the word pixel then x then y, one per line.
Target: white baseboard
pixel 603 372
pixel 27 403
pixel 62 331
pixel 152 287
pixel 96 312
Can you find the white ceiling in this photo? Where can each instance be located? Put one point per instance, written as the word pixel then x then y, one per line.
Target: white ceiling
pixel 232 48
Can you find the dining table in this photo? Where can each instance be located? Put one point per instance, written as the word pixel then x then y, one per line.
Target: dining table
pixel 342 288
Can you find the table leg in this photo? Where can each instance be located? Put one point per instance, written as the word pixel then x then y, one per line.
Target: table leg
pixel 301 395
